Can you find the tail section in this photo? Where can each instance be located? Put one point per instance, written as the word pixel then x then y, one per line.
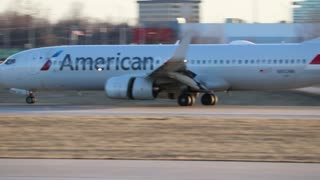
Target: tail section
pixel 314 63
pixel 316 60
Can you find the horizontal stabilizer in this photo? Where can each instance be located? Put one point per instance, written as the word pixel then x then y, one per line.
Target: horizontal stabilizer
pixel 313 41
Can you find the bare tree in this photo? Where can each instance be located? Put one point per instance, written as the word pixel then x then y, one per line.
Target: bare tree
pixel 76 11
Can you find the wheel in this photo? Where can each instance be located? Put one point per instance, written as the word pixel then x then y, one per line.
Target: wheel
pixel 209 99
pixel 31 99
pixel 186 100
pixel 193 100
pixel 183 100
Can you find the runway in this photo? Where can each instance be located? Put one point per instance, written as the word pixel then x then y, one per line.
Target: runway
pixel 48 169
pixel 24 169
pixel 161 110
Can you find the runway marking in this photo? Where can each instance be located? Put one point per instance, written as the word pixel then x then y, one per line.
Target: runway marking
pixel 219 111
pixel 27 169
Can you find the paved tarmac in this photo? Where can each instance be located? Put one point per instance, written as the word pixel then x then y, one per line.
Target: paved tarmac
pixel 46 169
pixel 161 110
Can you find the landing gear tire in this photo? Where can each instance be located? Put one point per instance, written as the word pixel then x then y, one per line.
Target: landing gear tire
pixel 209 99
pixel 30 99
pixel 186 100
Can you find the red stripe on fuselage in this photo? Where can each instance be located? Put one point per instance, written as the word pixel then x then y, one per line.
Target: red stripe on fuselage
pixel 46 66
pixel 316 60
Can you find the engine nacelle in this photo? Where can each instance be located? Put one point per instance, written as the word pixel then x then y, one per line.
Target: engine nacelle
pixel 125 87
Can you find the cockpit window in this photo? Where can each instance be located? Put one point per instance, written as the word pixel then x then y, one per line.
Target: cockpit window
pixel 10 61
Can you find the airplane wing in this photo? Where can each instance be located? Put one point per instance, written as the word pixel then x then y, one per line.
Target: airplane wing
pixel 177 62
pixel 175 68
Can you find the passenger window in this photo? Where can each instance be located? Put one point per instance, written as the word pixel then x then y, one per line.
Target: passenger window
pixel 10 61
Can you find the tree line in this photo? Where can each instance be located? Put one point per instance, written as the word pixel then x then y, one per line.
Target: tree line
pixel 26 29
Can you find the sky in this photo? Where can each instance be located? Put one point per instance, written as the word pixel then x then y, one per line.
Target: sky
pixel 212 11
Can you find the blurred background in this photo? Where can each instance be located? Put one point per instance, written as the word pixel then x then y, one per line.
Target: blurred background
pixel 26 24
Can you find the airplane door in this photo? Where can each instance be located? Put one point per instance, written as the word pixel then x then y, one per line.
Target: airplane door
pixel 35 62
pixel 55 62
pixel 50 78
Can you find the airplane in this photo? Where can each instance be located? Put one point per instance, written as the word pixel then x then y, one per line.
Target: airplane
pixel 182 71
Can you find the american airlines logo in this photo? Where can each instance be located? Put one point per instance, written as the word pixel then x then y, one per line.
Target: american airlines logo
pixel 48 63
pixel 117 62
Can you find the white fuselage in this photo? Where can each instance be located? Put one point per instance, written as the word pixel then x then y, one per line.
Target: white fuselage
pixel 219 67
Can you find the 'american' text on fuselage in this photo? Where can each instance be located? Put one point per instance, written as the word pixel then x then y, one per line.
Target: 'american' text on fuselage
pixel 118 62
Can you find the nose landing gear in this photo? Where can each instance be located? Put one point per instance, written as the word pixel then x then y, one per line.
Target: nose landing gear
pixel 30 99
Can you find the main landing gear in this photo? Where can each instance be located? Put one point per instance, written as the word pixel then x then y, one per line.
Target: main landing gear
pixel 30 99
pixel 186 99
pixel 209 99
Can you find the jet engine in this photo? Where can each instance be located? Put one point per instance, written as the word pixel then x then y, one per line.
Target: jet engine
pixel 125 87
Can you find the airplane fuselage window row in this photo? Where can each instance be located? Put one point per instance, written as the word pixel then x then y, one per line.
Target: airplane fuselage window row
pixel 226 62
pixel 221 62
